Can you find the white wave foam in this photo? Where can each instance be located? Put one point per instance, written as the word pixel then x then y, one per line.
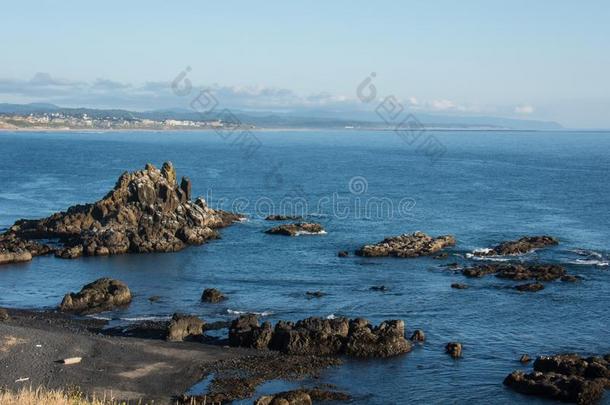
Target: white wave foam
pixel 588 253
pixel 590 262
pixel 146 318
pixel 235 312
pixel 299 233
pixel 331 316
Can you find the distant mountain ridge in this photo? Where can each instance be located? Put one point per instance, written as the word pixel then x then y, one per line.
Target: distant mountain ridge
pixel 289 119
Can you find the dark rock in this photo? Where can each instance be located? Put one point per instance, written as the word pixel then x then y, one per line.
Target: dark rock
pixel 343 253
pixel 407 245
pixel 154 298
pixel 564 377
pixel 556 386
pixel 441 256
pixel 246 331
pixel 524 359
pixel 296 229
pixel 212 295
pixel 276 217
pixel 385 340
pixel 302 396
pixel 530 287
pixel 520 246
pixel 418 336
pixel 454 349
pixel 317 336
pixel 381 288
pixel 570 278
pixel 101 295
pixel 147 211
pixel 184 327
pixel 315 294
pixel 459 286
pixel 517 271
pixel 4 316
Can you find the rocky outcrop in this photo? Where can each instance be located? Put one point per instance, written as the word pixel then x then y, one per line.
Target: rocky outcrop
pixel 302 396
pixel 14 249
pixel 184 327
pixel 317 336
pixel 212 295
pixel 147 211
pixel 517 247
pixel 277 217
pixel 407 245
pixel 567 378
pixel 301 228
pixel 518 271
pixel 101 295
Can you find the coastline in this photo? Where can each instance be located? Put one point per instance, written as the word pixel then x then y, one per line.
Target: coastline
pixel 33 343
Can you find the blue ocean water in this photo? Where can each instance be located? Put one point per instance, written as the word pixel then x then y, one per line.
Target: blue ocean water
pixel 362 186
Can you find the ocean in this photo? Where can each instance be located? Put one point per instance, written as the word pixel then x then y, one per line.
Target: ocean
pixel 362 186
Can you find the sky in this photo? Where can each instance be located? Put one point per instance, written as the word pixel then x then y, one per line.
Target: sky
pixel 543 60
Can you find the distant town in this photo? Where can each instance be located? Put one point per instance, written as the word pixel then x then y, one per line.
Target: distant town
pixel 67 121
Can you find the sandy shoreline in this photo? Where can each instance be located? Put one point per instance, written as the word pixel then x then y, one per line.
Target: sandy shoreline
pixel 130 368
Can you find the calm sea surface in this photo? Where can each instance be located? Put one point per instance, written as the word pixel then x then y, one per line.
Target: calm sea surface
pixel 362 186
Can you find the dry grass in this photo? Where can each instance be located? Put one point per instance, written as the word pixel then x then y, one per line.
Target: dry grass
pixel 31 396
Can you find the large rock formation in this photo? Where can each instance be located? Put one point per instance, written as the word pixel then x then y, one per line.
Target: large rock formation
pixel 147 211
pixel 212 295
pixel 407 245
pixel 301 228
pixel 302 396
pixel 519 246
pixel 101 295
pixel 567 378
pixel 317 336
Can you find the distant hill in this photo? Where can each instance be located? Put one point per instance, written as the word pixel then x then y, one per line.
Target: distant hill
pixel 293 119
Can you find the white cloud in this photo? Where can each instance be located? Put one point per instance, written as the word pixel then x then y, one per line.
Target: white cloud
pixel 524 109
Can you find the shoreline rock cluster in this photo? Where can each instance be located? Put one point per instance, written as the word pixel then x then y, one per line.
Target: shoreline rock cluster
pixel 147 211
pixel 317 336
pixel 520 272
pixel 407 245
pixel 564 377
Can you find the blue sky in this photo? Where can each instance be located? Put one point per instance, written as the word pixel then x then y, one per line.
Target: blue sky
pixel 546 60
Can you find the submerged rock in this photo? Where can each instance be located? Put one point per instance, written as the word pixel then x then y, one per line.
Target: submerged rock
pixel 301 228
pixel 531 287
pixel 517 247
pixel 565 377
pixel 147 211
pixel 212 295
pixel 343 253
pixel 184 327
pixel 454 349
pixel 315 294
pixel 381 288
pixel 101 295
pixel 517 271
pixel 318 336
pixel 407 245
pixel 459 286
pixel 418 336
pixel 278 217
